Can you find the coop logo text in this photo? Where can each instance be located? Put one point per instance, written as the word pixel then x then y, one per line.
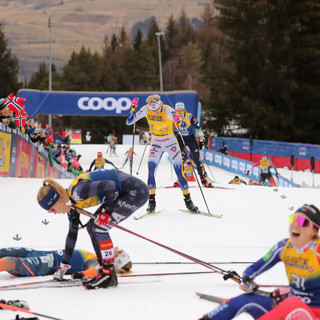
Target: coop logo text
pixel 109 104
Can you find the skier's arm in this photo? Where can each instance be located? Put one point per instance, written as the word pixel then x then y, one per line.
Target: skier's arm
pixel 92 164
pixel 107 161
pixel 72 236
pixel 139 115
pixel 267 262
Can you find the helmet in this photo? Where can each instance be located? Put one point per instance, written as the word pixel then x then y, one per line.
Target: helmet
pixel 99 155
pixel 180 105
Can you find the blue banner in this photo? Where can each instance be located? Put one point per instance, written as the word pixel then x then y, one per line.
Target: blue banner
pixel 273 148
pixel 239 166
pixel 98 103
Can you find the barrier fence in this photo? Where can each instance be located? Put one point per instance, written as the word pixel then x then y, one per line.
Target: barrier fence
pixel 19 157
pixel 240 167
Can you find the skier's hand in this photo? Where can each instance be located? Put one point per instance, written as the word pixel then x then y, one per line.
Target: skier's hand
pixel 61 271
pixel 176 118
pixel 248 285
pixel 102 219
pixel 201 144
pixel 134 104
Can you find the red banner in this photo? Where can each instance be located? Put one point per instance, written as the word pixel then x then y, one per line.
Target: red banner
pixel 23 163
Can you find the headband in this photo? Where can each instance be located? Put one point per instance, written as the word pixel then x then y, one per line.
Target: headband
pixel 50 199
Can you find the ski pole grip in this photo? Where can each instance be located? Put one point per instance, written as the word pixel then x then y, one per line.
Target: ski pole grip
pixel 232 275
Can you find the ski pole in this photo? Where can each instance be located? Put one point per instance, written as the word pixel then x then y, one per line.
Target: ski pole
pixel 177 262
pixel 133 133
pixel 226 274
pixel 178 127
pixel 142 156
pixel 163 274
pixel 13 308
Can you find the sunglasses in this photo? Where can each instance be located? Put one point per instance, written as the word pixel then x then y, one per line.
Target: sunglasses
pixel 302 221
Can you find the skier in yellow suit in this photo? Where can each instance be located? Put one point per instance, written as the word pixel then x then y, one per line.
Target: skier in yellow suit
pixel 161 120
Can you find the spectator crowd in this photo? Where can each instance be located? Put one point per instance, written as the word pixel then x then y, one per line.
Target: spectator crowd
pixel 57 146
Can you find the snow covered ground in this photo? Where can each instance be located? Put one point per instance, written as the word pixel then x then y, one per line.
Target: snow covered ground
pixel 254 219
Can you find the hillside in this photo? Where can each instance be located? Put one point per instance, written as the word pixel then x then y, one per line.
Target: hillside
pixel 77 23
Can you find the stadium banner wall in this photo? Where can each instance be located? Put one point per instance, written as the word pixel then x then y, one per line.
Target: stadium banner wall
pixel 99 103
pixel 240 167
pixel 23 165
pixel 39 166
pixel 5 150
pixel 279 152
pixel 23 157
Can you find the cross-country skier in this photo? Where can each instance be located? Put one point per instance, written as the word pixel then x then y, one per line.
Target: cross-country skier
pixel 26 262
pixel 237 180
pixel 118 194
pixel 160 118
pixel 188 125
pixel 99 162
pixel 265 165
pixel 129 156
pixel 300 255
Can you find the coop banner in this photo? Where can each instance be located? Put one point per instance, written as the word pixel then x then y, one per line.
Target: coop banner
pixel 99 103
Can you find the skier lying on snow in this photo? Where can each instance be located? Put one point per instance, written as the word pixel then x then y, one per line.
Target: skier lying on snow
pixel 25 262
pixel 300 254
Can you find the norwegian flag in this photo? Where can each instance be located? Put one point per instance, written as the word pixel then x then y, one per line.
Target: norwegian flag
pixel 21 119
pixel 16 104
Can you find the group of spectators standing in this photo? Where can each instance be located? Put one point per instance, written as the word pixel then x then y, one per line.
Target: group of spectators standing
pixel 12 113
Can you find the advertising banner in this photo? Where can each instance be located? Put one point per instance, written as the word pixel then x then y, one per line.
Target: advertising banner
pixel 99 103
pixel 5 150
pixel 39 165
pixel 240 167
pixel 23 163
pixel 279 152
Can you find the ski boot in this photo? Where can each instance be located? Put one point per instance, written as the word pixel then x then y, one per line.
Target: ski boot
pixel 206 183
pixel 189 204
pixel 106 277
pixel 152 204
pixel 176 184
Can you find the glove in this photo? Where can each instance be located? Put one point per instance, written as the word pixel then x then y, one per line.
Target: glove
pixel 176 118
pixel 201 144
pixel 277 175
pixel 102 219
pixel 134 104
pixel 61 271
pixel 248 285
pixel 248 172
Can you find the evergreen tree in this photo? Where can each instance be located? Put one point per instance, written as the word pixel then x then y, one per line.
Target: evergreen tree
pixel 171 39
pixel 186 32
pixel 137 40
pixel 266 43
pixel 138 69
pixel 9 67
pixel 83 71
pixel 190 66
